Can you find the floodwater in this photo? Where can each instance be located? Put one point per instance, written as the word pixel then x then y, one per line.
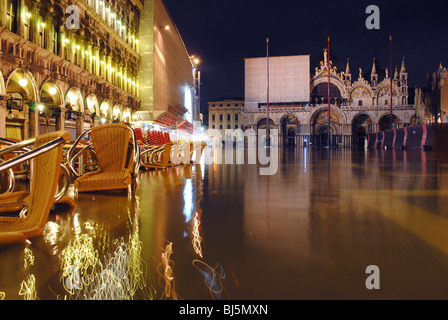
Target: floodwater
pixel 223 231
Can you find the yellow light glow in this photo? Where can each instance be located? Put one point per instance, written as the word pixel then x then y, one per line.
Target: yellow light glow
pixel 52 91
pixel 28 15
pixel 23 82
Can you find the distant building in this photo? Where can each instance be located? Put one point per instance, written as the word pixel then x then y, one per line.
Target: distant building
pixel 225 114
pixel 435 96
pixel 298 100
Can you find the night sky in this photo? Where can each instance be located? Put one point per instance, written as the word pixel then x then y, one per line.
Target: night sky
pixel 223 33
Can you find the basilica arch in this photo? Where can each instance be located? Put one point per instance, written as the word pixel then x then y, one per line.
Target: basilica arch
pixel 318 120
pixel 289 129
pixel 362 124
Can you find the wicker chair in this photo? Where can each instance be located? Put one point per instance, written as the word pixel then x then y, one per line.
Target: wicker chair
pixel 35 206
pixel 157 153
pixel 118 159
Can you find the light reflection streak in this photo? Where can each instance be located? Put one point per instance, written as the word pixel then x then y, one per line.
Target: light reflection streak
pixel 79 259
pixel 28 288
pixel 28 285
pixel 2 295
pixel 304 159
pixel 119 275
pixel 197 239
pixel 53 235
pixel 167 275
pixel 28 258
pixel 212 277
pixel 188 199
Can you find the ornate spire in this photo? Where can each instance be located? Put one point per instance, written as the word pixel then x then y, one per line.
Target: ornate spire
pixel 347 68
pixel 396 73
pixel 403 67
pixel 374 66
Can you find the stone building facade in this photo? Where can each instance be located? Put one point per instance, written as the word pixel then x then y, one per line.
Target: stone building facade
pixel 71 65
pixel 225 114
pixel 358 105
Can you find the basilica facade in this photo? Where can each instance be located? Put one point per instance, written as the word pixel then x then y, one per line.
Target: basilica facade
pixel 359 103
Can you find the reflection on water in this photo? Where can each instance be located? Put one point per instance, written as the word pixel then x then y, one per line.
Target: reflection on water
pixel 166 274
pixel 210 231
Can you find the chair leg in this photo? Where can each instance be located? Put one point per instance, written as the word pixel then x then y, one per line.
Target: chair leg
pixel 129 191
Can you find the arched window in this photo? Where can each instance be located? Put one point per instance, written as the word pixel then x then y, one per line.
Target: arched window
pixel 359 103
pixel 320 93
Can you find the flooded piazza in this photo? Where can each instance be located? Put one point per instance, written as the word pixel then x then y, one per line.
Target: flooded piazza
pixel 225 232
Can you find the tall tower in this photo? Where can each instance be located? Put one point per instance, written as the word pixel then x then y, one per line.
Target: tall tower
pixel 348 75
pixel 374 74
pixel 404 82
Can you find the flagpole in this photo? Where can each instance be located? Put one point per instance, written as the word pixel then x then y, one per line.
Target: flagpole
pixel 328 66
pixel 267 94
pixel 390 75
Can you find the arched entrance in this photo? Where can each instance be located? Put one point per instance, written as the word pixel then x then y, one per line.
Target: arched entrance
pixel 320 130
pixel 21 89
pixel 91 111
pixel 385 122
pixel 51 100
pixel 105 112
pixel 361 125
pixel 322 136
pixel 262 124
pixel 289 125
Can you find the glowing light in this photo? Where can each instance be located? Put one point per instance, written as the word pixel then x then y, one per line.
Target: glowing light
pixel 42 25
pixel 72 98
pixel 52 91
pixel 188 104
pixel 90 104
pixel 28 15
pixel 40 107
pixel 23 82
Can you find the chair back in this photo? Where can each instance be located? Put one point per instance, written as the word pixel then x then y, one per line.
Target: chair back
pixel 111 143
pixel 45 172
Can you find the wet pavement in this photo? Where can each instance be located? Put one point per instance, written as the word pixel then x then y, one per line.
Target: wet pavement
pixel 223 231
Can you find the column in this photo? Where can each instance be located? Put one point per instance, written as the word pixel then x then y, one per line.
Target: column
pixel 3 113
pixel 33 125
pixel 2 12
pixel 79 123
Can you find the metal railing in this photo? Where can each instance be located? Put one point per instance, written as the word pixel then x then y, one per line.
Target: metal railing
pixel 25 154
